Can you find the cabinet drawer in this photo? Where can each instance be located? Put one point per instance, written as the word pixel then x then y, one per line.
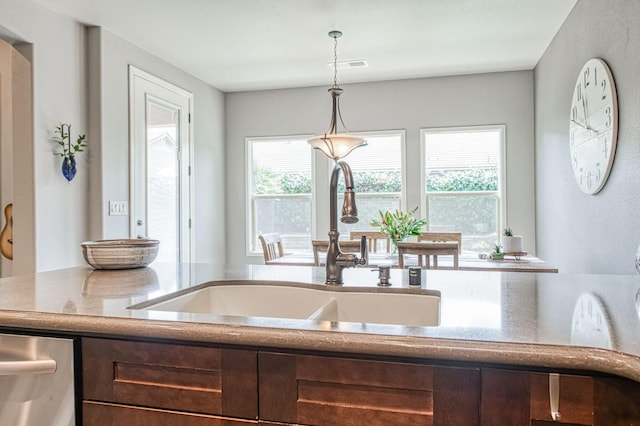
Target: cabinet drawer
pixel 106 414
pixel 328 391
pixel 170 376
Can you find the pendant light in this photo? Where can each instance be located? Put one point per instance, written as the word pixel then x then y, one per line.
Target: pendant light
pixel 336 145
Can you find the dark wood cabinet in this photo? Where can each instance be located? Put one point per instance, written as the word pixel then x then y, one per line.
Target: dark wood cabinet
pixel 322 390
pixel 164 376
pixel 139 383
pixel 523 398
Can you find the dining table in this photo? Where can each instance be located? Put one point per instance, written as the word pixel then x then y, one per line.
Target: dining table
pixel 466 262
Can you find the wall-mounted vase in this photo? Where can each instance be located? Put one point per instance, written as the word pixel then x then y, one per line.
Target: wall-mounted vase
pixel 69 167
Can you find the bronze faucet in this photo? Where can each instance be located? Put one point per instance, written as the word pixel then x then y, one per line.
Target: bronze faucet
pixel 336 260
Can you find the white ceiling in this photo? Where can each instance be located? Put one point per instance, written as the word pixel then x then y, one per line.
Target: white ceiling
pixel 237 45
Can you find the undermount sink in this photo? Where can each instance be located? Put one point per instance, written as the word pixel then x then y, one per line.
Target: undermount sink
pixel 363 305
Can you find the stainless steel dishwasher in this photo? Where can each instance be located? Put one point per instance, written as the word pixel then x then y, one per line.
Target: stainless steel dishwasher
pixel 36 381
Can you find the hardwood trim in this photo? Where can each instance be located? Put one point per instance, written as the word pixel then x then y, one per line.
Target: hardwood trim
pixel 278 391
pixel 456 396
pixel 505 398
pixel 616 401
pixel 107 414
pixel 240 383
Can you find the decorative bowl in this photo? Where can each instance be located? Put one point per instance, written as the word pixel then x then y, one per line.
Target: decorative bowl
pixel 120 254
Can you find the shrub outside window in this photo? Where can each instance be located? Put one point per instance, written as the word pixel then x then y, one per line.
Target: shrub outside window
pixel 464 183
pixel 280 188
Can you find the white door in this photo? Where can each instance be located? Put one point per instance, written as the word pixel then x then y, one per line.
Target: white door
pixel 161 150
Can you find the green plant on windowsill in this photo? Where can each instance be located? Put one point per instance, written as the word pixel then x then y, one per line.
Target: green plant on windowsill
pixel 399 225
pixel 511 244
pixel 497 254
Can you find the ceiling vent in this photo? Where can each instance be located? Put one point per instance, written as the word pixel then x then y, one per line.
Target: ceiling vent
pixel 356 63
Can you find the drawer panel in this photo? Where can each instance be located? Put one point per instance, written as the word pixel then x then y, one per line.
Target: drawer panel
pixel 170 376
pixel 106 414
pixel 336 391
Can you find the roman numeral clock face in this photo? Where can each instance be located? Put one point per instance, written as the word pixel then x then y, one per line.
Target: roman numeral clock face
pixel 593 126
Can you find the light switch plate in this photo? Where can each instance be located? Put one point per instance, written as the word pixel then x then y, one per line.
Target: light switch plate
pixel 118 208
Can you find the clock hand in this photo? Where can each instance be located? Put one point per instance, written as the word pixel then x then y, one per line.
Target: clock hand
pixel 586 116
pixel 586 127
pixel 579 124
pixel 585 107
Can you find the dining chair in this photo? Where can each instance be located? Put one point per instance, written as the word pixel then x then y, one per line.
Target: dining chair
pixel 321 246
pixel 373 237
pixel 430 251
pixel 442 237
pixel 271 246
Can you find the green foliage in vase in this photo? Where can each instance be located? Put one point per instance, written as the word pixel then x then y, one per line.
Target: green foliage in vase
pixel 507 232
pixel 69 149
pixel 497 248
pixel 399 225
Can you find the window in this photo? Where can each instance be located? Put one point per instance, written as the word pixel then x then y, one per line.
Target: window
pixel 464 183
pixel 279 191
pixel 378 173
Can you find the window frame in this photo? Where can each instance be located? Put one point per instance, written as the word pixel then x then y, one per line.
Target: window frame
pixel 502 167
pixel 248 184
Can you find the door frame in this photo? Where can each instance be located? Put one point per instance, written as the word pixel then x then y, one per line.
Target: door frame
pixel 186 170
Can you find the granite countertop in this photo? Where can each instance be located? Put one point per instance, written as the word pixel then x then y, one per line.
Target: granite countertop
pixel 582 322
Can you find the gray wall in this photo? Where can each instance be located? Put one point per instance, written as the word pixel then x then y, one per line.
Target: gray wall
pixel 578 232
pixel 59 95
pixel 80 77
pixel 498 98
pixel 109 58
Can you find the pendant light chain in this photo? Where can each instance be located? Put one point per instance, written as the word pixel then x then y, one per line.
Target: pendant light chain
pixel 335 61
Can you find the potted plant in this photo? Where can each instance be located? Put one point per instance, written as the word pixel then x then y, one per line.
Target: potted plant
pixel 69 149
pixel 497 254
pixel 399 225
pixel 511 243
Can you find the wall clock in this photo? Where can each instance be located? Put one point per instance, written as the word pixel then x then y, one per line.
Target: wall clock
pixel 593 126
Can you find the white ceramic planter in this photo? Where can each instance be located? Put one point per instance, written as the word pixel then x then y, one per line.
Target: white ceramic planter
pixel 512 244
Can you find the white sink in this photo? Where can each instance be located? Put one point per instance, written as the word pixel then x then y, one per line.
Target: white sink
pixel 371 305
pixel 381 308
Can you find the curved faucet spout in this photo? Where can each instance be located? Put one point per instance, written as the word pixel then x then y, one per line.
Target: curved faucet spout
pixel 349 210
pixel 336 260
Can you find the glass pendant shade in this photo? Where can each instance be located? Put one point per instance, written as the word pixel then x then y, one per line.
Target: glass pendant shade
pixel 336 145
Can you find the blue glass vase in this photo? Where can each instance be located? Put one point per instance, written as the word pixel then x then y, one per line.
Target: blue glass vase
pixel 69 167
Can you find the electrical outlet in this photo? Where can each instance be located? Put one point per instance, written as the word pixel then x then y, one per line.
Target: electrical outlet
pixel 118 208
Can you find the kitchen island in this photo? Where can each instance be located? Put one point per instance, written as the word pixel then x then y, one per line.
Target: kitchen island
pixel 544 323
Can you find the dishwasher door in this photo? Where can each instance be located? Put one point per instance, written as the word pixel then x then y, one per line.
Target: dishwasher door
pixel 36 381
